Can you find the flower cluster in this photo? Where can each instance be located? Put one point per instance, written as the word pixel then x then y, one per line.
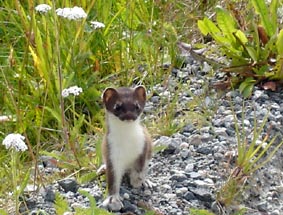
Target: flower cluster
pixel 97 25
pixel 74 13
pixel 42 8
pixel 15 141
pixel 75 90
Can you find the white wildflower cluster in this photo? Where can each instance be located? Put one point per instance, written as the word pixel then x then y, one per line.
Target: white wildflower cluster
pixel 97 25
pixel 75 90
pixel 15 141
pixel 74 13
pixel 42 8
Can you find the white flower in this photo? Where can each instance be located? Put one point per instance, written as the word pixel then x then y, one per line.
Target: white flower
pixel 97 25
pixel 74 13
pixel 42 8
pixel 15 141
pixel 75 90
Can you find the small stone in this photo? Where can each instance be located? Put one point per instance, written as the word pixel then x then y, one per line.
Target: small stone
pixel 147 193
pixel 189 167
pixel 275 212
pixel 155 99
pixel 69 184
pixel 170 195
pixel 195 139
pixel 185 153
pixel 184 145
pixel 181 190
pixel 204 150
pixel 202 194
pixel 49 194
pixel 194 175
pixel 179 177
pixel 126 196
pixel 129 207
pixel 166 186
pixel 257 94
pixel 68 213
pixel 262 206
pixel 189 128
pixel 37 212
pixel 78 205
pixel 221 132
pixel 189 196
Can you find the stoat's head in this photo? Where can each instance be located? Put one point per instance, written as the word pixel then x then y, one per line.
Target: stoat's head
pixel 125 103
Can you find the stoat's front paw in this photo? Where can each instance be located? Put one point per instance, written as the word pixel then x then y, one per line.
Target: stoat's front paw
pixel 113 203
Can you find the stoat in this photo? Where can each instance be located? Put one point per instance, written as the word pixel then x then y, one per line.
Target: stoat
pixel 127 146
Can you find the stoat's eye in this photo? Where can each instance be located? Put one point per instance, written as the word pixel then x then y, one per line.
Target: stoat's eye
pixel 117 107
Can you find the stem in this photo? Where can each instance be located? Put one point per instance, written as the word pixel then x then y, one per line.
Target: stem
pixel 60 79
pixel 15 178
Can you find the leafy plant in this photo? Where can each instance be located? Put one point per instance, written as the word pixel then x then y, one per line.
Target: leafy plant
pixel 200 212
pixel 61 205
pixel 93 209
pixel 251 157
pixel 254 49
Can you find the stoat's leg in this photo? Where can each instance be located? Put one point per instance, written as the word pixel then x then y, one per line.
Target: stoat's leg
pixel 138 171
pixel 113 177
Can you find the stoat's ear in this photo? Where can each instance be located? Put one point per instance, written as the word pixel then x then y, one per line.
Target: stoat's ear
pixel 140 94
pixel 108 94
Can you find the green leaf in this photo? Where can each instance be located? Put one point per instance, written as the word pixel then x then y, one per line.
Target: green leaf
pixel 246 87
pixel 226 23
pixel 202 27
pixel 252 52
pixel 93 208
pixel 61 205
pixel 279 43
pixel 241 36
pixel 273 12
pixel 262 10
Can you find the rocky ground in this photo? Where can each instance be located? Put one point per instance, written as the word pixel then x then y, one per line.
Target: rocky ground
pixel 198 159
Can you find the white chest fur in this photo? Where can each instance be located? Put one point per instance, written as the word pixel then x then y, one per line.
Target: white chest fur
pixel 126 141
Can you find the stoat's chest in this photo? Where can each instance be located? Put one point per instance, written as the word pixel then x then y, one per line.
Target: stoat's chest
pixel 126 141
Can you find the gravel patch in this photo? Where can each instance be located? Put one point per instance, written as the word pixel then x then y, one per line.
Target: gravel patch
pixel 196 160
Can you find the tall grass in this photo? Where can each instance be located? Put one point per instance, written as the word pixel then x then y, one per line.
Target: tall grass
pixel 43 53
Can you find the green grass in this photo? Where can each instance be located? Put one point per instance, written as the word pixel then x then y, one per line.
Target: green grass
pixel 42 54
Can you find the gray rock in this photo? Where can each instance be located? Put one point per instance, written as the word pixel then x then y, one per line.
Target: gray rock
pixel 195 139
pixel 179 177
pixel 49 194
pixel 69 184
pixel 204 150
pixel 202 194
pixel 194 175
pixel 189 196
pixel 189 167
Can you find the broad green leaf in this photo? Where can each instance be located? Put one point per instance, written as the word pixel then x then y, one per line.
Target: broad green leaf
pixel 252 52
pixel 279 43
pixel 202 27
pixel 213 29
pixel 246 87
pixel 241 36
pixel 226 23
pixel 262 10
